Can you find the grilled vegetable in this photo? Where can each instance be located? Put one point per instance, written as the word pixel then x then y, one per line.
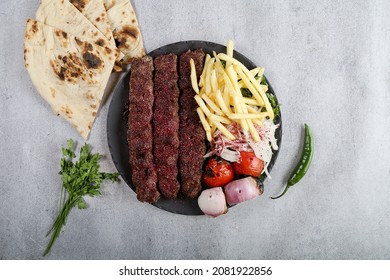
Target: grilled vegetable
pixel 218 172
pixel 241 190
pixel 249 165
pixel 212 202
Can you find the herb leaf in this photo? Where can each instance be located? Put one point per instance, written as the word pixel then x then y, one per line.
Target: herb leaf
pixel 263 80
pixel 246 92
pixel 275 106
pixel 78 179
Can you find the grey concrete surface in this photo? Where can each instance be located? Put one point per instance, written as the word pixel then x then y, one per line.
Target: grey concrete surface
pixel 329 63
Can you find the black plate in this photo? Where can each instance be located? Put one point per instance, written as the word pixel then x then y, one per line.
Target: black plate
pixel 117 124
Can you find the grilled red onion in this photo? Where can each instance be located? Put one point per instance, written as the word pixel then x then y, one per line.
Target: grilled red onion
pixel 241 190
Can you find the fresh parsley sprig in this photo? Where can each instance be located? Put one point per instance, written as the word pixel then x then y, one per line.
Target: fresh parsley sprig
pixel 78 179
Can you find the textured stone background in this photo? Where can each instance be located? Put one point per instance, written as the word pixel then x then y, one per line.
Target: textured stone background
pixel 328 62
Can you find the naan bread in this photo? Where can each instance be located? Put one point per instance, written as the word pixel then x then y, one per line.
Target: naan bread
pixel 63 15
pixel 95 12
pixel 70 74
pixel 125 28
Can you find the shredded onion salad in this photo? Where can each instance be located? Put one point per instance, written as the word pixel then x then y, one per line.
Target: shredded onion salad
pixel 234 108
pixel 243 142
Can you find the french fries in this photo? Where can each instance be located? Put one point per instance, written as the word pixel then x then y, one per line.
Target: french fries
pixel 220 98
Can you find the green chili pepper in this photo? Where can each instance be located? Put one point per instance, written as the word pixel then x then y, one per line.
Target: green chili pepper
pixel 304 163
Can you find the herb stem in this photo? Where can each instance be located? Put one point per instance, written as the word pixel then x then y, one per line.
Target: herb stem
pixel 59 222
pixel 78 179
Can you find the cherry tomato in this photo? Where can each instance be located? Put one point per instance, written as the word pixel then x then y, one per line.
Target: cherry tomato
pixel 249 164
pixel 218 172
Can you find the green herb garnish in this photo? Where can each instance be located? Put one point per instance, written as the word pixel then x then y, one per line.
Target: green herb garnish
pixel 263 80
pixel 78 179
pixel 275 106
pixel 246 92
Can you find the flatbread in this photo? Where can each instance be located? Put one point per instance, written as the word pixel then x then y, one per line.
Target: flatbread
pixel 125 28
pixel 70 74
pixel 95 12
pixel 63 15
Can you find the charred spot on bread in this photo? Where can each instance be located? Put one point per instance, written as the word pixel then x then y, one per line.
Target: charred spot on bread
pixel 68 67
pixel 108 50
pixel 89 95
pixel 109 5
pixel 100 42
pixel 53 92
pixel 34 27
pixel 124 35
pixel 91 60
pixel 62 72
pixel 79 42
pixel 88 47
pixel 130 31
pixel 79 4
pixel 67 111
pixel 61 34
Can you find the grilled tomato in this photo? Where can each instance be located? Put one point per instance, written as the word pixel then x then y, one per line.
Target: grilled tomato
pixel 249 165
pixel 218 172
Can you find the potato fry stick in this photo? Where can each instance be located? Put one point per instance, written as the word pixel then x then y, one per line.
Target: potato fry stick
pixel 220 119
pixel 228 83
pixel 202 76
pixel 261 72
pixel 221 103
pixel 252 110
pixel 258 121
pixel 229 51
pixel 208 136
pixel 203 120
pixel 233 78
pixel 226 99
pixel 213 128
pixel 202 105
pixel 214 81
pixel 253 81
pixel 212 105
pixel 224 130
pixel 194 81
pixel 238 109
pixel 249 85
pixel 208 75
pixel 241 84
pixel 250 101
pixel 238 116
pixel 255 71
pixel 219 68
pixel 220 99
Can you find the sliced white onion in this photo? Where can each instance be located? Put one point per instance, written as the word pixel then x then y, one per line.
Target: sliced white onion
pixel 212 202
pixel 230 155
